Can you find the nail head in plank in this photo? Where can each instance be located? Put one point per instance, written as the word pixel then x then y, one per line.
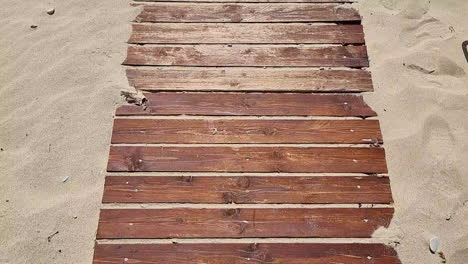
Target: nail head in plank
pixel 242 223
pixel 234 33
pixel 247 55
pixel 244 104
pixel 242 253
pixel 235 12
pixel 246 159
pixel 250 79
pixel 247 189
pixel 195 131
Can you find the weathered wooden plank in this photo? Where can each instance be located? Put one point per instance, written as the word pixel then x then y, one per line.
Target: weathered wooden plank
pixel 254 1
pixel 232 12
pixel 235 33
pixel 244 104
pixel 247 55
pixel 247 159
pixel 128 131
pixel 245 190
pixel 249 79
pixel 241 253
pixel 242 223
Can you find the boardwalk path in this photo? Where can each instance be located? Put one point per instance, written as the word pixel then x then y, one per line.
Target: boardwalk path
pixel 253 128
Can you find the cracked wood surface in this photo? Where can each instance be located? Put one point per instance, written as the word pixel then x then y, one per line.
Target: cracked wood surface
pixel 235 13
pixel 246 159
pixel 241 253
pixel 249 104
pixel 243 60
pixel 250 79
pixel 232 33
pixel 247 189
pixel 242 223
pixel 247 55
pixel 192 131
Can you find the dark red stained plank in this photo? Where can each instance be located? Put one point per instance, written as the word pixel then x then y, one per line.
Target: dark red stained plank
pixel 203 12
pixel 254 189
pixel 235 33
pixel 128 131
pixel 242 104
pixel 242 223
pixel 247 159
pixel 247 55
pixel 263 253
pixel 249 79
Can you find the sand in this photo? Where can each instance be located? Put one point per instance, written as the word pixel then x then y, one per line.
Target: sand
pixel 421 95
pixel 60 85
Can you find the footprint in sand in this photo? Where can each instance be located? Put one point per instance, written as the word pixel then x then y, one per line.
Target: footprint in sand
pixel 427 29
pixel 437 65
pixel 413 9
pixel 441 151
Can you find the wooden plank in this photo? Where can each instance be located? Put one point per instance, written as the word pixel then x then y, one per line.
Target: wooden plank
pixel 247 159
pixel 234 33
pixel 242 223
pixel 249 79
pixel 193 131
pixel 254 1
pixel 235 13
pixel 241 253
pixel 247 55
pixel 245 190
pixel 244 104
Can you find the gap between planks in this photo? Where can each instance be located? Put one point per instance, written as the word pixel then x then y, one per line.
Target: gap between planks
pixel 239 145
pixel 168 206
pixel 243 174
pixel 215 241
pixel 248 117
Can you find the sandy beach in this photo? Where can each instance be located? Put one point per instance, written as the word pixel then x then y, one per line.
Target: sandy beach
pixel 421 96
pixel 61 81
pixel 60 84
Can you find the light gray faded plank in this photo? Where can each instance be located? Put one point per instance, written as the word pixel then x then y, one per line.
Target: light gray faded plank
pixel 250 79
pixel 235 33
pixel 236 12
pixel 247 55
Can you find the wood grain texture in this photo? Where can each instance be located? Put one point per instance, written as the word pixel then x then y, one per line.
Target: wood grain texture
pixel 242 223
pixel 247 159
pixel 245 190
pixel 244 104
pixel 249 79
pixel 193 131
pixel 240 253
pixel 207 12
pixel 247 55
pixel 254 1
pixel 234 33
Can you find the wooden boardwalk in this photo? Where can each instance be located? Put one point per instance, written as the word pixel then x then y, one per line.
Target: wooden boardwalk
pixel 253 128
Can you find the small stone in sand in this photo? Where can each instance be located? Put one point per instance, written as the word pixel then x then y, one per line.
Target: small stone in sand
pixel 51 11
pixel 33 26
pixel 434 244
